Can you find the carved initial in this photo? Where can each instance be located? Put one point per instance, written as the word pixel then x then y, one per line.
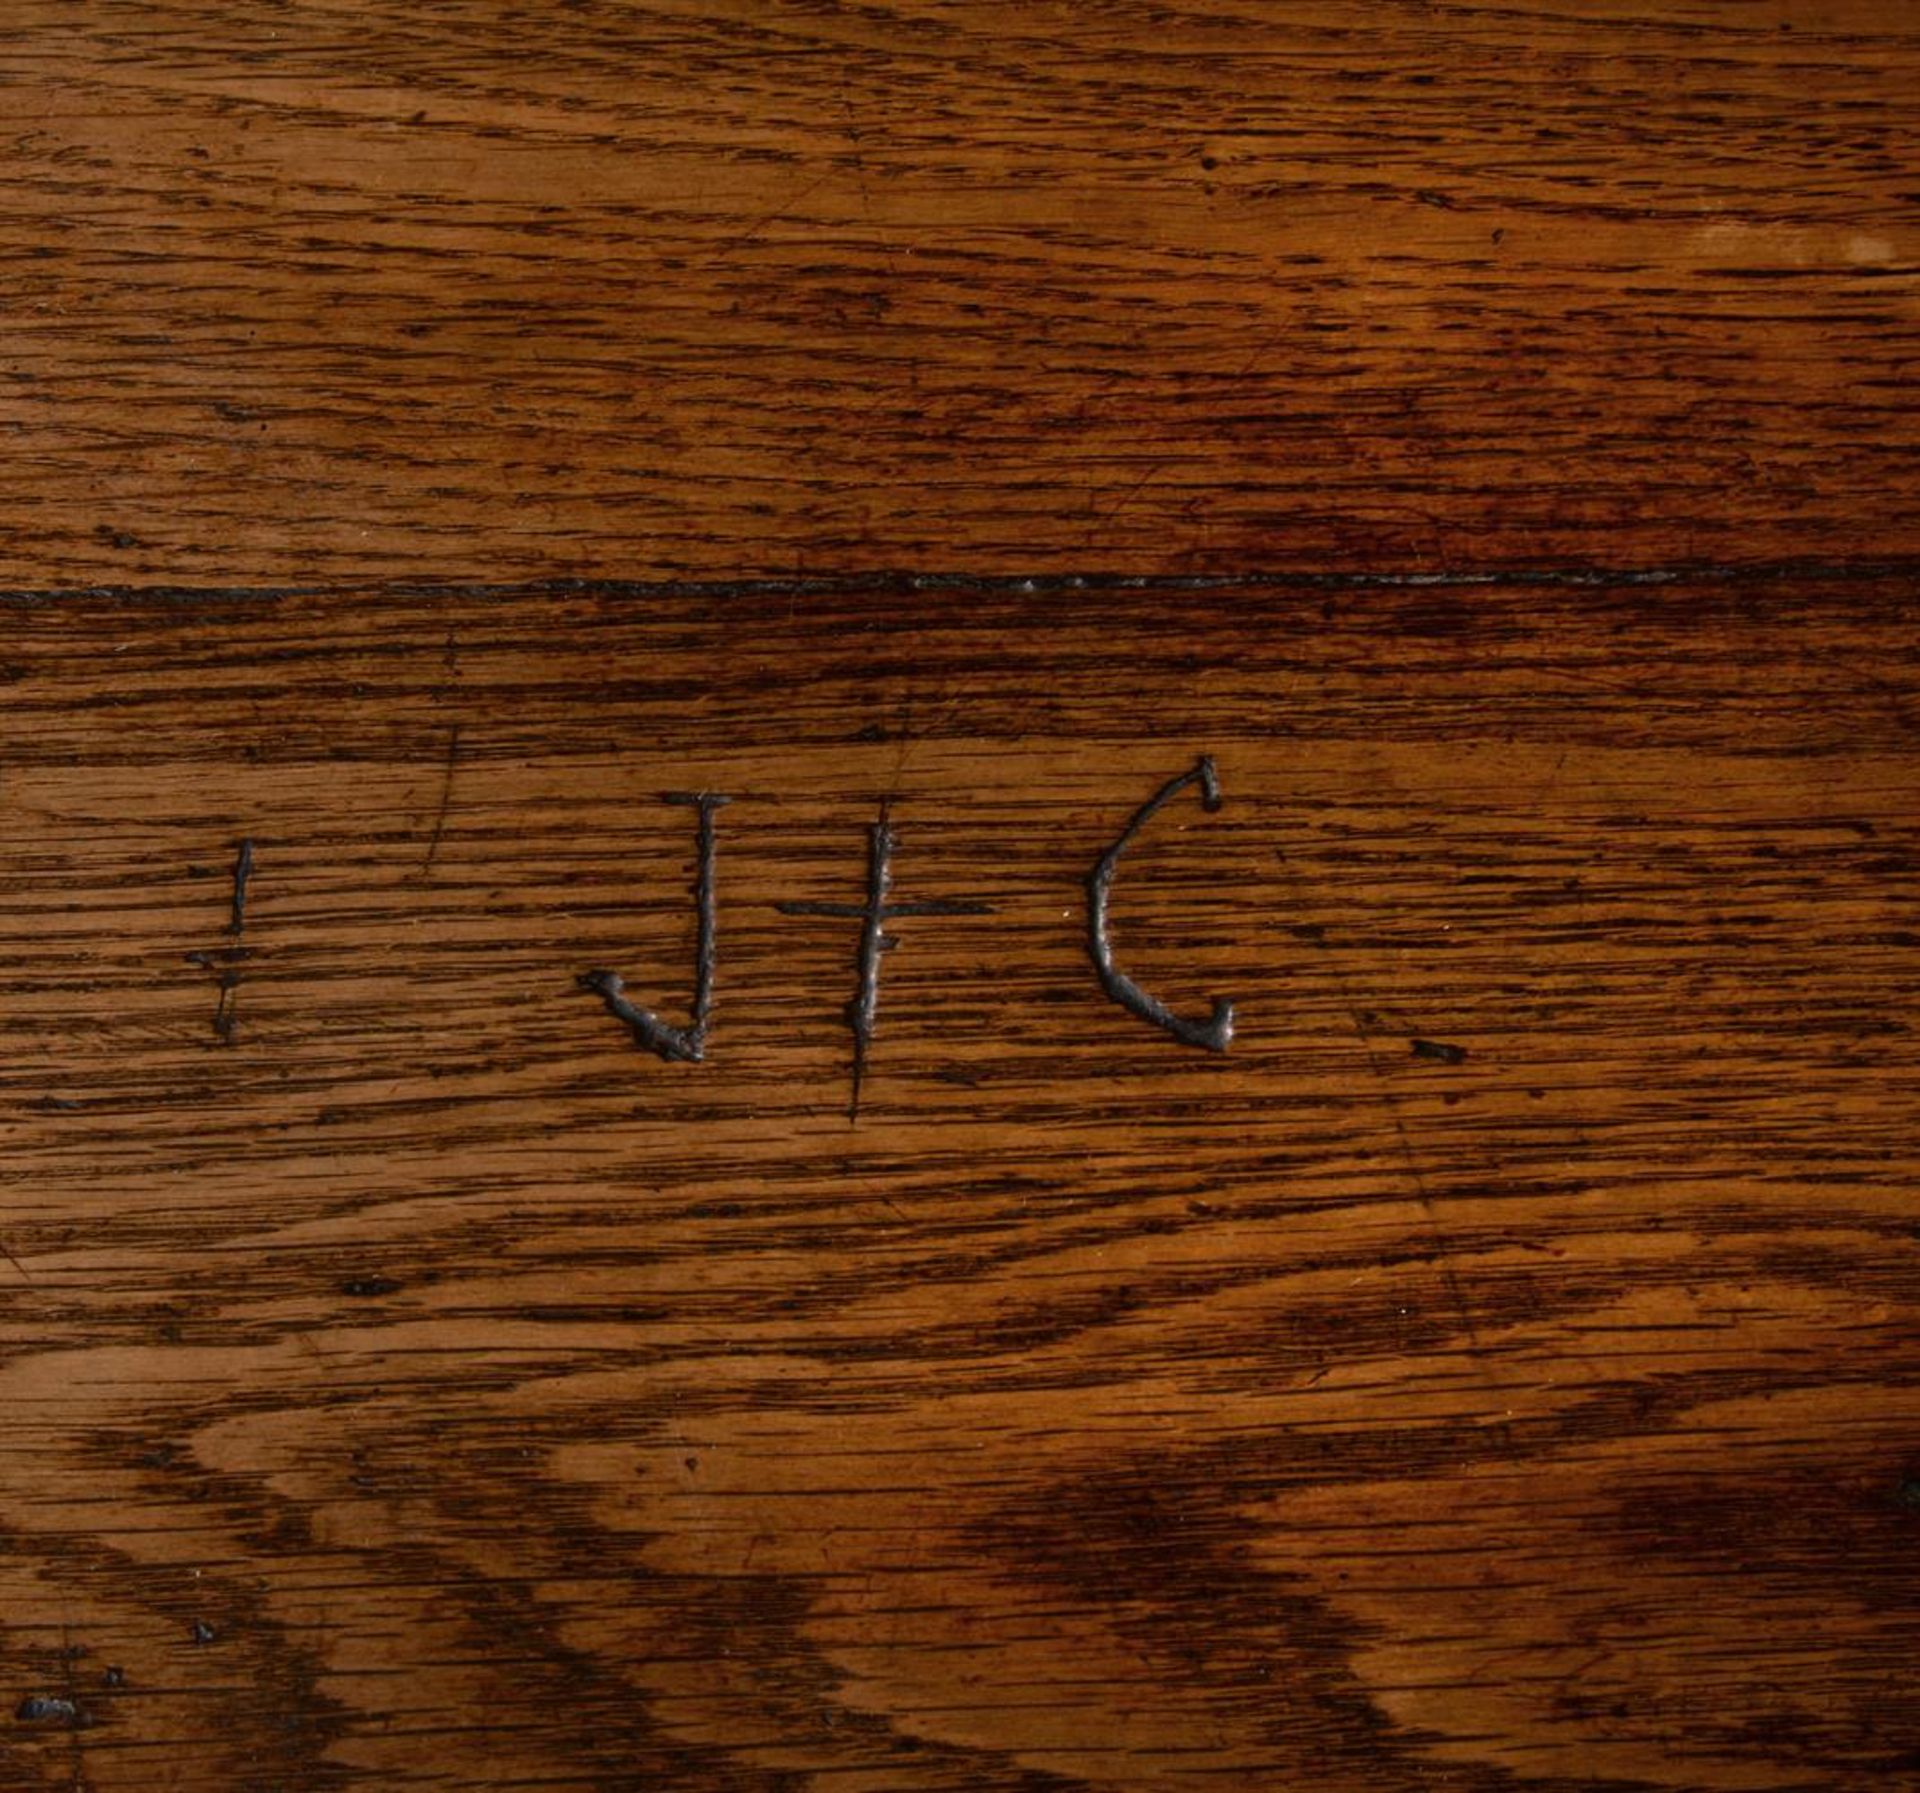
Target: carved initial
pixel 686 1045
pixel 1215 1033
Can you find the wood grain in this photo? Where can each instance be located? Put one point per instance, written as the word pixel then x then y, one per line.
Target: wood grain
pixel 460 289
pixel 428 1388
pixel 438 437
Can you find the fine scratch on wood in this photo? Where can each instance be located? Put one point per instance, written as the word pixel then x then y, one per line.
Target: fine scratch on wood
pixel 446 800
pixel 1403 1139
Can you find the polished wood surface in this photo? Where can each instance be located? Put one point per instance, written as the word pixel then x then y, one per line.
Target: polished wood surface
pixel 1495 1369
pixel 480 290
pixel 1422 496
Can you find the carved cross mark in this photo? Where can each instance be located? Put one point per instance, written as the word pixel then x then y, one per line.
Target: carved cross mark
pixel 873 916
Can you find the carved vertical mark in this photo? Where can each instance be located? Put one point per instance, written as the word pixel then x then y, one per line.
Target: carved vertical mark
pixel 225 962
pixel 873 916
pixel 684 1045
pixel 223 1016
pixel 242 873
pixel 1215 1033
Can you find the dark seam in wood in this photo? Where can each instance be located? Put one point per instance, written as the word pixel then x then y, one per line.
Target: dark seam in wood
pixel 1040 584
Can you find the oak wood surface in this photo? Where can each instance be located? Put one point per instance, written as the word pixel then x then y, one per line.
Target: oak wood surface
pixel 422 1386
pixel 478 290
pixel 439 439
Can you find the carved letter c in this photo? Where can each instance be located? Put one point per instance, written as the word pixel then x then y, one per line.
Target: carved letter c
pixel 1214 1034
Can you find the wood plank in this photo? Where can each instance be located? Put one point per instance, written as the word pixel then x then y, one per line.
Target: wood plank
pixel 414 1383
pixel 455 289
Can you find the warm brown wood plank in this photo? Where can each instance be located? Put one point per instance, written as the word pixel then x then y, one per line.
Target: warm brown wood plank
pixel 472 290
pixel 513 1408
